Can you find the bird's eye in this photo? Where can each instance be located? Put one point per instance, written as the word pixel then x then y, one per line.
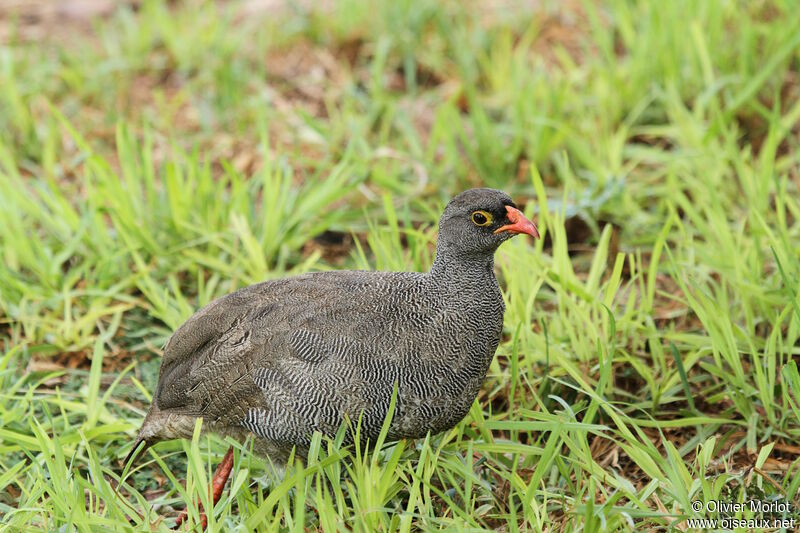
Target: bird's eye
pixel 481 218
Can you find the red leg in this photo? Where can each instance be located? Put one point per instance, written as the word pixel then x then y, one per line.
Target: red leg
pixel 221 475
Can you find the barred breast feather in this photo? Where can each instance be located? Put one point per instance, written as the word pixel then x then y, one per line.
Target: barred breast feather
pixel 287 357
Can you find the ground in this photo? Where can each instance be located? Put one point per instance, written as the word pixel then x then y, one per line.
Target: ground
pixel 157 155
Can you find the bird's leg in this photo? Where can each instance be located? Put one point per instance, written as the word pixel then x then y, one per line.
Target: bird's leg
pixel 221 475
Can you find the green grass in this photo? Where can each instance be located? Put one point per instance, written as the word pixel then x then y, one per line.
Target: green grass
pixel 652 337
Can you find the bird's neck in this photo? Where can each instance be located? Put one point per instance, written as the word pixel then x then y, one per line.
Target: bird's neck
pixel 463 272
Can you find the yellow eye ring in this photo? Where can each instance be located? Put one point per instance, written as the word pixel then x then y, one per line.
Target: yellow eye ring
pixel 481 218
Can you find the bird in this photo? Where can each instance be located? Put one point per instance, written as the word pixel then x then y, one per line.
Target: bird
pixel 284 358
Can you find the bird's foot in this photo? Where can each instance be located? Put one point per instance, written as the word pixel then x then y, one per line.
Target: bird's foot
pixel 221 475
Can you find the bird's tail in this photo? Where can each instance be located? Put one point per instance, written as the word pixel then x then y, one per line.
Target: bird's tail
pixel 159 425
pixel 146 435
pixel 128 462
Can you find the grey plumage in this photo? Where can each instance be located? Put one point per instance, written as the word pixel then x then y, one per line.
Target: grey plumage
pixel 284 358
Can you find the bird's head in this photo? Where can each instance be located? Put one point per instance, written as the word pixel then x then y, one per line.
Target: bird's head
pixel 477 221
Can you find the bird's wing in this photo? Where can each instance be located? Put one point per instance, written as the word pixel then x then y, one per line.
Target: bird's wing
pixel 208 339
